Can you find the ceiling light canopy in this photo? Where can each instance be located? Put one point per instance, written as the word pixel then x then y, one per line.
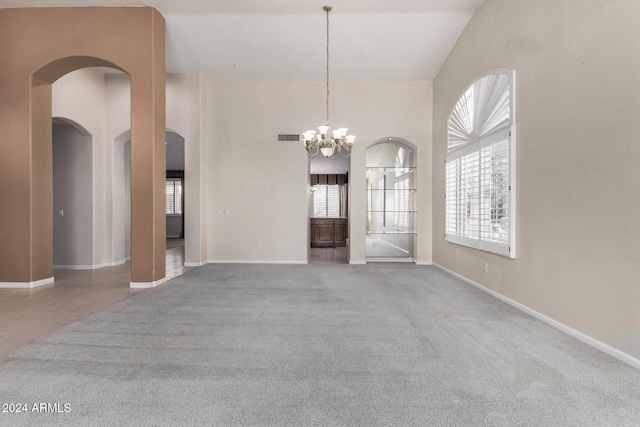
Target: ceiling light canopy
pixel 326 141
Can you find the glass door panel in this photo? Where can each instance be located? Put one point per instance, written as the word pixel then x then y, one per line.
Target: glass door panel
pixel 391 208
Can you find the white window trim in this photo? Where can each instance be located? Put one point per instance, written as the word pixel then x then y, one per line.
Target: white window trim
pixel 505 249
pixel 505 132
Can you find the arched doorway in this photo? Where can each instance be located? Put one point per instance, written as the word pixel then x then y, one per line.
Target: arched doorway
pixel 72 153
pixel 391 212
pixel 46 44
pixel 175 206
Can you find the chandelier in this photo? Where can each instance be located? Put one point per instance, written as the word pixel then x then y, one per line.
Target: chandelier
pixel 326 141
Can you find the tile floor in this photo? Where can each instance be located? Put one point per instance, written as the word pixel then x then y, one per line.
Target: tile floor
pixel 27 314
pixel 328 255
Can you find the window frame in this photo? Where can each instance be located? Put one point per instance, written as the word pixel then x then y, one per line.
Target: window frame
pixel 174 198
pixel 504 132
pixel 324 188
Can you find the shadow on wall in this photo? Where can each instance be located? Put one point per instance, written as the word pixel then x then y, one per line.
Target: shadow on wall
pixel 72 153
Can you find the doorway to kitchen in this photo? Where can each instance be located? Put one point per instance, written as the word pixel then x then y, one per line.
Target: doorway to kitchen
pixel 329 207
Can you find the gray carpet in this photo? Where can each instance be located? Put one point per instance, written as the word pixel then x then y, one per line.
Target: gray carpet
pixel 371 345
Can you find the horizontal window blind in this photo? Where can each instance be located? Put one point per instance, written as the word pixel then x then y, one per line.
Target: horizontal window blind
pixel 479 172
pixel 333 201
pixel 495 192
pixel 326 201
pixel 173 189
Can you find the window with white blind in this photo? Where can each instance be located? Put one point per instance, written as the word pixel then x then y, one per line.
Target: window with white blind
pixel 174 196
pixel 480 166
pixel 326 201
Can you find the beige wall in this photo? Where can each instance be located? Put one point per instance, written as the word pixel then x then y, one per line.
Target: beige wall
pixel 263 184
pixel 41 45
pixel 117 160
pixel 577 104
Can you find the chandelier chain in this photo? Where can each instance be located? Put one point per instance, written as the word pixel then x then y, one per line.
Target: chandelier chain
pixel 328 142
pixel 327 66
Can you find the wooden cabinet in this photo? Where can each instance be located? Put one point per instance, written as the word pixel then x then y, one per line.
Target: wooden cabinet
pixel 314 233
pixel 328 232
pixel 340 232
pixel 325 232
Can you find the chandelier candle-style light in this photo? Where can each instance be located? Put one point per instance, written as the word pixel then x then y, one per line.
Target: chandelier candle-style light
pixel 328 142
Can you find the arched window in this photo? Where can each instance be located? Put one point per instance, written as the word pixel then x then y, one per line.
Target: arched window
pixel 480 172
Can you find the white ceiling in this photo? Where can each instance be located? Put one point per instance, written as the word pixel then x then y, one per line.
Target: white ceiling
pixel 284 40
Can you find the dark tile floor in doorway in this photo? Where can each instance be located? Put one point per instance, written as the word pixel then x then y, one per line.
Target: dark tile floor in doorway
pixel 328 255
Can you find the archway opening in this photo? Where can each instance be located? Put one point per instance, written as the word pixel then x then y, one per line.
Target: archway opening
pixel 391 205
pixel 45 46
pixel 175 207
pixel 72 154
pixel 87 95
pixel 175 203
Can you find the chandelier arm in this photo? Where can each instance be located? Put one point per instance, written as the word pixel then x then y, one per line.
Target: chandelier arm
pixel 335 150
pixel 342 150
pixel 313 153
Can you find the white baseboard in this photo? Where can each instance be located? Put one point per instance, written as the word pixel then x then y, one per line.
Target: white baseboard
pixel 103 265
pixel 194 264
pixel 249 261
pixel 91 267
pixel 26 285
pixel 424 263
pixel 147 285
pixel 352 262
pixel 611 351
pixel 74 267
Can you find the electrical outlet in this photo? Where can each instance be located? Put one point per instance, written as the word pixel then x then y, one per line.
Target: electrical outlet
pixel 486 267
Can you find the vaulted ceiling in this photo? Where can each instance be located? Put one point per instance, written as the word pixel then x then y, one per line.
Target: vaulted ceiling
pixel 284 40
